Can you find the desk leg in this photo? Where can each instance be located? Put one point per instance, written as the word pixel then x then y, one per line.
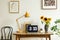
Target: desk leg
pixel 46 38
pixel 49 38
pixel 17 37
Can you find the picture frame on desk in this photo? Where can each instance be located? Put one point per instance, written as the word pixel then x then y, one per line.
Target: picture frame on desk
pixel 14 7
pixel 48 4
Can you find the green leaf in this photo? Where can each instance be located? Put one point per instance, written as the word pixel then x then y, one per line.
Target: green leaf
pixel 41 22
pixel 57 21
pixel 54 28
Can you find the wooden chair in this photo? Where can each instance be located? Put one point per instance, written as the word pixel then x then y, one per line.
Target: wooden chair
pixel 6 33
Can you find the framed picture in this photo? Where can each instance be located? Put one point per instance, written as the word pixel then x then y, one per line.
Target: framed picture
pixel 14 6
pixel 49 4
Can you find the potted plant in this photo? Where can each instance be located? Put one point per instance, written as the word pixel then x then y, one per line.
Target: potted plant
pixel 46 21
pixel 54 28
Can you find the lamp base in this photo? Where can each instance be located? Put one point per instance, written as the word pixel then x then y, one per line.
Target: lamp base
pixel 19 31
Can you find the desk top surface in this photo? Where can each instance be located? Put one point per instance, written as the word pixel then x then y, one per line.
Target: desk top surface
pixel 37 33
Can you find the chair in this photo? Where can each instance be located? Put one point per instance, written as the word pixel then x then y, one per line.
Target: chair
pixel 6 33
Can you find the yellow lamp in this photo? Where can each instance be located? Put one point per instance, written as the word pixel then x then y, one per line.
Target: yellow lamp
pixel 25 15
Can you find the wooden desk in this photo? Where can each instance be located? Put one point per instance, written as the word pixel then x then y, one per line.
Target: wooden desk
pixel 42 35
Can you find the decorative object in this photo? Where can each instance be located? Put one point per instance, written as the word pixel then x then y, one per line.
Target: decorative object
pixel 55 28
pixel 57 21
pixel 14 6
pixel 25 15
pixel 46 27
pixel 32 28
pixel 46 21
pixel 49 4
pixel 41 30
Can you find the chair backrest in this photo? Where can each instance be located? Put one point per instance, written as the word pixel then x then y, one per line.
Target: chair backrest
pixel 6 33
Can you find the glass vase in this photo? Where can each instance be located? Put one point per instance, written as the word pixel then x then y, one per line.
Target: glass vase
pixel 46 28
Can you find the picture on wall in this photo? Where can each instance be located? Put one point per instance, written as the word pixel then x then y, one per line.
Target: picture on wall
pixel 14 6
pixel 49 4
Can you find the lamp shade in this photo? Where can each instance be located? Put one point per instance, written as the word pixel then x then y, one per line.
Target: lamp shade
pixel 27 14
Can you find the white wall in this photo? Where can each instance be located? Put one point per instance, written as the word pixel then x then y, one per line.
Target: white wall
pixel 33 7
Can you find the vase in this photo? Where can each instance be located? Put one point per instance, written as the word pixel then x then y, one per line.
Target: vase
pixel 46 28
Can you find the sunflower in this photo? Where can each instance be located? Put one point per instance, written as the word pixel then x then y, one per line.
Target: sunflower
pixel 49 19
pixel 45 19
pixel 41 17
